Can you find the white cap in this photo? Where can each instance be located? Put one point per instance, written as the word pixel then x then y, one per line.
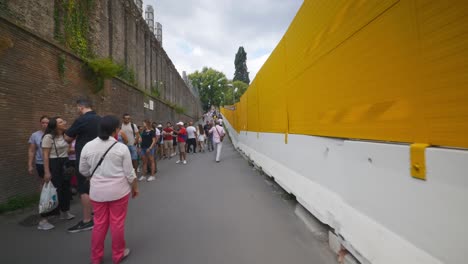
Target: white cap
pixel 180 123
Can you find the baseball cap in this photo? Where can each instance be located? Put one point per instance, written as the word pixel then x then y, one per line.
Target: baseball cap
pixel 180 123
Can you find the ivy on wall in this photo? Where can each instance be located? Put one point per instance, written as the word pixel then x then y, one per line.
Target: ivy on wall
pixel 102 69
pixel 127 74
pixel 71 25
pixel 61 66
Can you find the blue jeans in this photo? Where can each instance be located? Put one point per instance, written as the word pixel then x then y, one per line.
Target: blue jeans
pixel 145 150
pixel 133 152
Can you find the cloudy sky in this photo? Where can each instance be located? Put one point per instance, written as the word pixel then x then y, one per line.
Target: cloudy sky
pixel 209 32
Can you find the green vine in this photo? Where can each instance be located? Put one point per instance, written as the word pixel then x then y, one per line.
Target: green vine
pixel 155 91
pixel 57 24
pixel 74 32
pixel 127 75
pixel 179 109
pixel 61 66
pixel 102 69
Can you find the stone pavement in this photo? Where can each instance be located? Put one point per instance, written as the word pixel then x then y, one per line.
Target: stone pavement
pixel 200 213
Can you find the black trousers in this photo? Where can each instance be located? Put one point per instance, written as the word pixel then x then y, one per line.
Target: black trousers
pixel 192 142
pixel 62 184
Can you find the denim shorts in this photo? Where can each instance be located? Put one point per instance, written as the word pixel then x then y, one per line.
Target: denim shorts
pixel 145 150
pixel 133 152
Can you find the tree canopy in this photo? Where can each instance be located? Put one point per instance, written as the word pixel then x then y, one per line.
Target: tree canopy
pixel 240 62
pixel 238 89
pixel 215 89
pixel 212 86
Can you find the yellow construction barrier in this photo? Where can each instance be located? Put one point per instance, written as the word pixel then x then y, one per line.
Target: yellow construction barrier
pixel 384 70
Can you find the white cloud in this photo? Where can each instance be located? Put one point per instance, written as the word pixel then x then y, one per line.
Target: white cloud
pixel 209 32
pixel 256 64
pixel 197 52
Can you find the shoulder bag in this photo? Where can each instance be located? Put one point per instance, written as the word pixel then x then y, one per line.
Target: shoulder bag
pixel 220 137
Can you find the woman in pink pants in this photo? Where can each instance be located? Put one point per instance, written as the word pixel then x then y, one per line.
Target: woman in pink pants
pixel 109 166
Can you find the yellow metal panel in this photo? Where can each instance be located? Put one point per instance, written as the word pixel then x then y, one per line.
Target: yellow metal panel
pixel 243 112
pixel 271 81
pixel 252 106
pixel 355 92
pixel 382 70
pixel 418 160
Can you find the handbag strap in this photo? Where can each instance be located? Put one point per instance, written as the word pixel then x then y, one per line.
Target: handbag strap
pixel 218 131
pixel 55 146
pixel 102 158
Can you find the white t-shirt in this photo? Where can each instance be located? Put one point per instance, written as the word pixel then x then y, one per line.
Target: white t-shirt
pixel 191 131
pixel 127 129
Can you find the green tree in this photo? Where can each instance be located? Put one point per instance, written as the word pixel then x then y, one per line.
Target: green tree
pixel 239 88
pixel 240 63
pixel 212 86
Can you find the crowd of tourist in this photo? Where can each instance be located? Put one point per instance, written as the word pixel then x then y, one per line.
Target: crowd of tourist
pixel 103 158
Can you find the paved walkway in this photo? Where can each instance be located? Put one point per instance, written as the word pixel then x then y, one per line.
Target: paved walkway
pixel 200 213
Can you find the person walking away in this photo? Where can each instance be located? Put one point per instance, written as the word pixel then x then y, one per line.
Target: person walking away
pixel 148 142
pixel 218 135
pixel 210 138
pixel 192 138
pixel 207 128
pixel 55 154
pixel 133 135
pixel 84 129
pixel 181 140
pixel 201 138
pixel 168 144
pixel 35 160
pixel 108 166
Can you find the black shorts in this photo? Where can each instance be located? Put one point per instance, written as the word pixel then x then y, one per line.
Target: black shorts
pixel 83 182
pixel 40 170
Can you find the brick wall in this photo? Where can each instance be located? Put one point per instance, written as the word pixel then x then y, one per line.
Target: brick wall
pixel 30 86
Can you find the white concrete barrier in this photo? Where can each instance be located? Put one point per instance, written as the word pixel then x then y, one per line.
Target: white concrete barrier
pixel 364 191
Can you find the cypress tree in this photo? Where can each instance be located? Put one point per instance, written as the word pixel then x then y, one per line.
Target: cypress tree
pixel 240 63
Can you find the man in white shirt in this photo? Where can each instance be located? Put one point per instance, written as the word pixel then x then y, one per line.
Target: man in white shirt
pixel 133 135
pixel 192 138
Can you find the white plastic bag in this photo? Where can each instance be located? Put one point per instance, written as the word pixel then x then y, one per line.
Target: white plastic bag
pixel 48 200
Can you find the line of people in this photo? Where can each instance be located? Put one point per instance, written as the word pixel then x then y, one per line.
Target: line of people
pixel 105 172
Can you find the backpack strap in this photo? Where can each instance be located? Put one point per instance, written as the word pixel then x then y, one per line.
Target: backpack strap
pixel 133 129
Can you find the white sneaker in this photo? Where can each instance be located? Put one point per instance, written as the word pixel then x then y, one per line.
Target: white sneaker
pixel 142 178
pixel 185 162
pixel 66 216
pixel 126 254
pixel 45 225
pixel 177 162
pixel 151 178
